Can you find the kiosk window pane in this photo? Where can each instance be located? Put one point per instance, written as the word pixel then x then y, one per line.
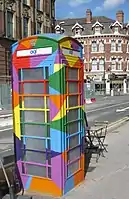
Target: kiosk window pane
pixel 35 144
pixel 49 172
pixel 73 141
pixel 72 73
pixel 73 100
pixel 19 75
pixel 33 88
pixel 47 99
pixel 72 127
pixel 49 158
pixel 35 157
pixel 47 88
pixel 33 74
pixel 46 72
pixel 34 102
pixel 20 102
pixel 72 115
pixel 34 116
pixel 36 170
pixel 74 154
pixel 73 87
pixel 73 167
pixel 48 116
pixel 36 130
pixel 20 88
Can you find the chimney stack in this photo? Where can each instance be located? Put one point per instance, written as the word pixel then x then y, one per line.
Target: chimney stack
pixel 120 16
pixel 88 16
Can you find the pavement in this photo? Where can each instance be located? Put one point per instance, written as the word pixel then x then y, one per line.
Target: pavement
pixel 109 178
pixel 105 108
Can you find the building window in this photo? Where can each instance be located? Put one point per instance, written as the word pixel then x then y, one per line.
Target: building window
pixel 113 64
pixel 116 29
pixel 53 8
pixel 9 24
pixel 119 65
pixel 25 2
pixel 101 46
pixel 39 26
pixel 101 64
pixel 77 31
pixel 94 64
pixel 94 46
pixel 119 46
pixel 25 26
pixel 38 4
pixel 113 46
pixel 97 30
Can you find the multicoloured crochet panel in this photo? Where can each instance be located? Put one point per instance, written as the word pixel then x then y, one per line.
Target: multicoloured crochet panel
pixel 48 102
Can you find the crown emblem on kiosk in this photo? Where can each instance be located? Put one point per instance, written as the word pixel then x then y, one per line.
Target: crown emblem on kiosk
pixel 33 42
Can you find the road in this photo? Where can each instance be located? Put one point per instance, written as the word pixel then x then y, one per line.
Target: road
pixel 108 109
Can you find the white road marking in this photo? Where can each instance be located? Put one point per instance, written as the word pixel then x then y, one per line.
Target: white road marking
pixel 2 130
pixel 122 110
pixel 103 108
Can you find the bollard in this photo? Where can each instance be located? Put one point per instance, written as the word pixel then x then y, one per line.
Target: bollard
pixel 112 93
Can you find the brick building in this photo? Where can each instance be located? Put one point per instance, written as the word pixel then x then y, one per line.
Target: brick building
pixel 19 19
pixel 105 42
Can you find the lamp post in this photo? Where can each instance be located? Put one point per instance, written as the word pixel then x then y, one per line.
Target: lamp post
pixel 109 69
pixel 104 80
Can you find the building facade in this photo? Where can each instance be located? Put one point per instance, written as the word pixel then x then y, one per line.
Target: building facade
pixel 105 45
pixel 19 19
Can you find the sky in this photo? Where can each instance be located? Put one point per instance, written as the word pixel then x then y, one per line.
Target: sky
pixel 77 8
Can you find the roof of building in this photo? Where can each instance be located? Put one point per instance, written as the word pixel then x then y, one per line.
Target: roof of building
pixel 88 27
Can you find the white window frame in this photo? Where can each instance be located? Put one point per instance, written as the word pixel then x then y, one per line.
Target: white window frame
pixel 119 48
pixel 101 64
pixel 101 46
pixel 113 64
pixel 119 64
pixel 94 65
pixel 37 27
pixel 97 30
pixel 116 29
pixel 77 31
pixel 113 46
pixel 94 46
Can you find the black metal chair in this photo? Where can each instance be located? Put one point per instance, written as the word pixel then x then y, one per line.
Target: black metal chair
pixel 95 137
